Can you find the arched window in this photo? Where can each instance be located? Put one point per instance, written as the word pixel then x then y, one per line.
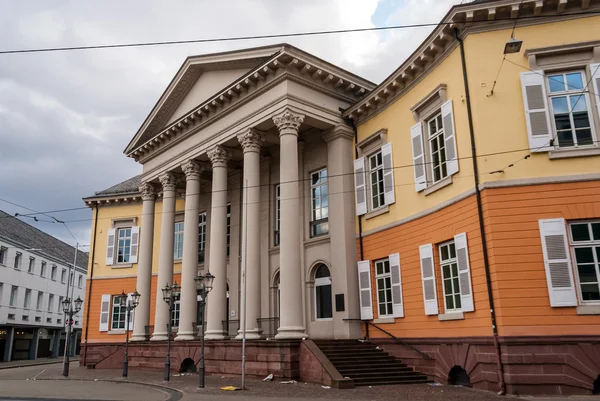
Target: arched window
pixel 323 304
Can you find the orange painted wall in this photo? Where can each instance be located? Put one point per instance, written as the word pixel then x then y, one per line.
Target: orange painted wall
pixel 517 264
pixel 113 286
pixel 405 239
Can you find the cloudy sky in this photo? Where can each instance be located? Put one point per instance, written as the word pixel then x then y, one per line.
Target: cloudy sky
pixel 66 117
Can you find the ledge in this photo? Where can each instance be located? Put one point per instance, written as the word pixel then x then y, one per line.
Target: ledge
pixel 566 154
pixel 384 320
pixel 451 316
pixel 438 185
pixel 588 310
pixel 377 212
pixel 321 239
pixel 122 266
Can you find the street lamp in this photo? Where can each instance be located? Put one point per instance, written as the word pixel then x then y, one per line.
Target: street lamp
pixel 170 294
pixel 203 284
pixel 70 310
pixel 130 304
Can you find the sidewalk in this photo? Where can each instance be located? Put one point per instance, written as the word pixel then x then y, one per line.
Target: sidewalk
pixel 35 362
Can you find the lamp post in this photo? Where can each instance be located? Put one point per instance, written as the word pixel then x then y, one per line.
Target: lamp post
pixel 170 294
pixel 130 304
pixel 204 286
pixel 70 310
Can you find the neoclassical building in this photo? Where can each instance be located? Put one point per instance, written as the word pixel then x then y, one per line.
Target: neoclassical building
pixel 246 161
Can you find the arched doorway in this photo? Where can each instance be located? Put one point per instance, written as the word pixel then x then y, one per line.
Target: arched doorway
pixel 322 293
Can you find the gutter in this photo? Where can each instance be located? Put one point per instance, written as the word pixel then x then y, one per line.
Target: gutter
pixel 486 262
pixel 88 298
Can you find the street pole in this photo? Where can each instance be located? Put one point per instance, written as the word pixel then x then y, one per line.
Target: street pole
pixel 168 361
pixel 201 370
pixel 126 358
pixel 65 371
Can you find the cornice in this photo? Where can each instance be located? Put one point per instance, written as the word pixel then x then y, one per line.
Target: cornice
pixel 129 197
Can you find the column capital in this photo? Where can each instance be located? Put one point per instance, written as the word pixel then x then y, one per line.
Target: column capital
pixel 288 122
pixel 148 191
pixel 218 156
pixel 339 131
pixel 168 181
pixel 250 140
pixel 192 170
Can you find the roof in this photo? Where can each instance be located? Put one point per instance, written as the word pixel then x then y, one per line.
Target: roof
pixel 128 186
pixel 28 236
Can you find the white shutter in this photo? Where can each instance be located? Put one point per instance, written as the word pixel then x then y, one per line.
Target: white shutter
pixel 110 247
pixel 416 139
pixel 388 174
pixel 104 312
pixel 537 115
pixel 364 289
pixel 132 313
pixel 559 274
pixel 449 138
pixel 135 240
pixel 464 272
pixel 360 187
pixel 595 70
pixel 428 278
pixel 396 285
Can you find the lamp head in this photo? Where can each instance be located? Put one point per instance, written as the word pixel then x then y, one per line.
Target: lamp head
pixel 208 281
pixel 167 292
pixel 176 290
pixel 135 299
pixel 78 303
pixel 123 299
pixel 66 304
pixel 199 283
pixel 513 46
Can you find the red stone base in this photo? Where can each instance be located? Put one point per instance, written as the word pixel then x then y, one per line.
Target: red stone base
pixel 532 365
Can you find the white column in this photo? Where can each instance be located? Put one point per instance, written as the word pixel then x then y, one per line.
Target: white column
pixel 165 261
pixel 144 273
pixel 217 301
pixel 250 142
pixel 189 269
pixel 291 320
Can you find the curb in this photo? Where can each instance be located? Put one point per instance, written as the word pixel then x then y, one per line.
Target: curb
pixel 40 363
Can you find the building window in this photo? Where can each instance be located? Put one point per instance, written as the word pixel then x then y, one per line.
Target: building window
pixel 3 253
pixel 201 237
pixel 43 269
pixel 585 247
pixel 124 245
pixel 228 228
pixel 18 257
pixel 323 303
pixel 50 302
pixel 175 314
pixel 71 278
pixel 376 180
pixel 27 300
pixel 80 281
pixel 40 301
pixel 437 147
pixel 319 224
pixel 1 291
pixel 59 306
pixel 53 272
pixel 384 288
pixel 277 215
pixel 63 276
pixel 178 244
pixel 31 265
pixel 570 109
pixel 118 314
pixel 450 280
pixel 14 292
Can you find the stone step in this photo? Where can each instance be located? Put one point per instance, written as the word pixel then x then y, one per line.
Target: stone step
pixel 353 352
pixel 378 373
pixel 390 382
pixel 357 371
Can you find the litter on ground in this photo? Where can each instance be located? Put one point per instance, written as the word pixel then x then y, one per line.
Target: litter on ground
pixel 230 388
pixel 289 382
pixel 268 378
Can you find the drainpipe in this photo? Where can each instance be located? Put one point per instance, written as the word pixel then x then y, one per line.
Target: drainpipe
pixel 360 237
pixel 486 262
pixel 88 299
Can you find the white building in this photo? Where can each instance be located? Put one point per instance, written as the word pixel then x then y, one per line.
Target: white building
pixel 35 268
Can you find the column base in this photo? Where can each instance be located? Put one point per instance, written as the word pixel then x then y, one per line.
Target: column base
pixel 214 335
pixel 138 337
pixel 185 336
pixel 291 333
pixel 159 337
pixel 251 334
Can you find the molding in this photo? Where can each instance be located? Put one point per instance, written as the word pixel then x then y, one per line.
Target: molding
pixel 438 185
pixel 451 316
pixel 565 154
pixel 540 181
pixel 250 140
pixel 438 92
pixel 321 239
pixel 373 141
pixel 377 212
pixel 168 182
pixel 562 48
pixel 148 191
pixel 588 310
pixel 384 320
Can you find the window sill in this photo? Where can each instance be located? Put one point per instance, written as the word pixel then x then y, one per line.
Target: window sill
pixel 324 320
pixel 588 310
pixel 316 240
pixel 383 320
pixel 568 153
pixel 451 316
pixel 438 185
pixel 116 332
pixel 30 273
pixel 122 266
pixel 377 212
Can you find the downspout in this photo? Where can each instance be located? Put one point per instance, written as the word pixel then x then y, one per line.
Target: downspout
pixel 360 237
pixel 486 262
pixel 89 295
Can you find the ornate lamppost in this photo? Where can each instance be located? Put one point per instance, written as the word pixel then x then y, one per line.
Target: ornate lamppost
pixel 170 294
pixel 70 310
pixel 130 304
pixel 204 285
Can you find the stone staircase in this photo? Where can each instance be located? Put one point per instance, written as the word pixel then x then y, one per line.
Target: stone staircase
pixel 366 364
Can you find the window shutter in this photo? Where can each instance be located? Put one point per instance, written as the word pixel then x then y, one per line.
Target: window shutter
pixel 135 240
pixel 428 277
pixel 364 284
pixel 396 285
pixel 559 275
pixel 110 247
pixel 360 186
pixel 388 174
pixel 104 312
pixel 416 139
pixel 537 114
pixel 132 314
pixel 595 71
pixel 464 272
pixel 449 138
